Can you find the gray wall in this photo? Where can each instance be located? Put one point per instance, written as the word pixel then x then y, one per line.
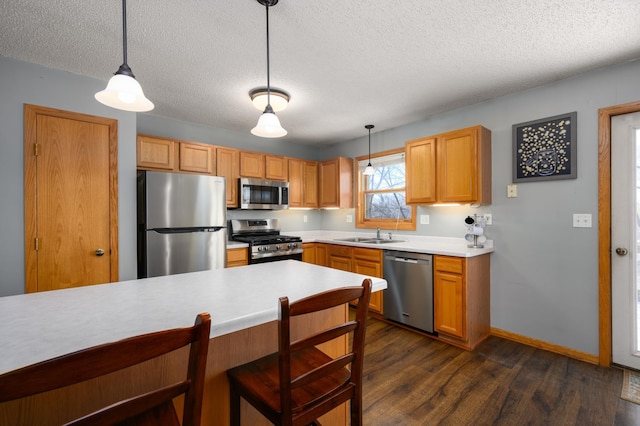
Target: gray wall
pixel 544 271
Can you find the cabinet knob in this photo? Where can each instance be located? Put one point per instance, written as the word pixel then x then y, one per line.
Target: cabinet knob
pixel 99 252
pixel 621 251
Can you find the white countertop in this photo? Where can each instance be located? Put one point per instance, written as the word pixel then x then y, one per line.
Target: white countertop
pixel 38 326
pixel 412 243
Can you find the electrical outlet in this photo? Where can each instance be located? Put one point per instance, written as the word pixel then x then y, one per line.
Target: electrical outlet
pixel 349 218
pixel 512 191
pixel 582 220
pixel 424 219
pixel 304 218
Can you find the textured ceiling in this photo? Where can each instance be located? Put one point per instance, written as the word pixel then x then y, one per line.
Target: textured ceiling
pixel 346 63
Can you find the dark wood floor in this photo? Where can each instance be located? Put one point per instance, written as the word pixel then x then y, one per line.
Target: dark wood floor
pixel 410 379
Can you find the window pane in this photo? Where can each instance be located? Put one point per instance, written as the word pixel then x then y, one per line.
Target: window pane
pixel 388 205
pixel 390 177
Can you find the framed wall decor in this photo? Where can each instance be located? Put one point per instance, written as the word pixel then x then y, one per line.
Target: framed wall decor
pixel 545 149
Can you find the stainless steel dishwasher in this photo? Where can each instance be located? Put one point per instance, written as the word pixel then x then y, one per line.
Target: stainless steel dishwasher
pixel 408 298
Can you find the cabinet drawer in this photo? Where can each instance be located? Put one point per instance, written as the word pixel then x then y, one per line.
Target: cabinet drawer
pixel 373 255
pixel 338 250
pixel 449 264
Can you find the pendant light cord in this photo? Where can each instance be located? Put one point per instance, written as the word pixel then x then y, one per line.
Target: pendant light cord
pixel 268 65
pixel 124 31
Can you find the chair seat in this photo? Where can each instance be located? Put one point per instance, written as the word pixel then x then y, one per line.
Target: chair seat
pixel 260 383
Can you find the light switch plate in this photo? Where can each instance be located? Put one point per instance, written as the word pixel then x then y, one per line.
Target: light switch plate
pixel 349 218
pixel 582 220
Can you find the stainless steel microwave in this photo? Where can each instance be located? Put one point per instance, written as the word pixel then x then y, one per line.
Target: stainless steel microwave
pixel 260 194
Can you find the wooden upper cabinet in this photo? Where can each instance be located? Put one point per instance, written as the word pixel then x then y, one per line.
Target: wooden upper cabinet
pixel 420 161
pixel 336 183
pixel 153 153
pixel 228 166
pixel 464 166
pixel 276 167
pixel 453 167
pixel 303 183
pixel 252 165
pixel 197 158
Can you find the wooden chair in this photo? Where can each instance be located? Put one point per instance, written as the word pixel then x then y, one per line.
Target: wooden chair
pixel 152 408
pixel 299 383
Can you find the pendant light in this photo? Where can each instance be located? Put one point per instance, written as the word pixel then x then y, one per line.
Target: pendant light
pixel 369 170
pixel 268 124
pixel 123 91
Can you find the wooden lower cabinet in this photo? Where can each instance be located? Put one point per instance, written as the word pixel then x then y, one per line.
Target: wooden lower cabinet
pixel 461 298
pixel 361 261
pixel 237 257
pixel 369 262
pixel 315 253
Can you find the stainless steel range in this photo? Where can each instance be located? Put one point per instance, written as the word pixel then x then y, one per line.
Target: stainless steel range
pixel 264 239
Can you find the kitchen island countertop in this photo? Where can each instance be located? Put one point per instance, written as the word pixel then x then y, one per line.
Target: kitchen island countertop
pixel 35 327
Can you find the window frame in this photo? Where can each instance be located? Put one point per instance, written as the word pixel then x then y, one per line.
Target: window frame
pixel 393 224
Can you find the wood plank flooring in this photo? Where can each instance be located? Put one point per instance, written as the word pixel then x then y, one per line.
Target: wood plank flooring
pixel 410 379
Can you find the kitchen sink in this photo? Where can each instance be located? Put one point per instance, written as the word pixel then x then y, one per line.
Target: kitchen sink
pixel 381 241
pixel 368 240
pixel 353 239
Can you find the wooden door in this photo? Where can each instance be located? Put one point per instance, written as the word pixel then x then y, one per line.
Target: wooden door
pixel 71 199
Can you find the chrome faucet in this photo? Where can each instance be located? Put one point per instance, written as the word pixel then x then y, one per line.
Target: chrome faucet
pixel 378 233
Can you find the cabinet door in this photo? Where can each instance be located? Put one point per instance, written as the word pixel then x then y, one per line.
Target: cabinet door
pixel 197 158
pixel 321 254
pixel 156 153
pixel 309 252
pixel 237 257
pixel 310 191
pixel 276 168
pixel 296 183
pixel 335 183
pixel 227 166
pixel 449 297
pixel 252 165
pixel 458 166
pixel 420 160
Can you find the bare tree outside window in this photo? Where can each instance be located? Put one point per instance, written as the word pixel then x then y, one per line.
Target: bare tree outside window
pixel 383 194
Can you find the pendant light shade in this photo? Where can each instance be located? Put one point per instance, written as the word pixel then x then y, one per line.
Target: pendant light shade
pixel 123 90
pixel 368 171
pixel 268 124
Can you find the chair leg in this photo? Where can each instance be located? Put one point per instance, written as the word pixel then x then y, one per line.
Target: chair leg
pixel 234 407
pixel 356 411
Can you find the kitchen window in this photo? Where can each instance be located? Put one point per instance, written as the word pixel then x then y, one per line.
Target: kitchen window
pixel 381 196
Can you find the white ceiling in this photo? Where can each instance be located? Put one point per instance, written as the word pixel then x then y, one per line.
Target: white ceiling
pixel 346 63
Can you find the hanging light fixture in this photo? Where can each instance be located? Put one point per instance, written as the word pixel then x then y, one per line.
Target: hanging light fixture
pixel 268 124
pixel 123 91
pixel 369 170
pixel 279 98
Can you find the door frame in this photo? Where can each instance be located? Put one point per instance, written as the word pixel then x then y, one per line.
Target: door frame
pixel 31 113
pixel 604 225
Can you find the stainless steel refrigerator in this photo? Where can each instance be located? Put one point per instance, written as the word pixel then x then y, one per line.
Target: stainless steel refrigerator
pixel 182 223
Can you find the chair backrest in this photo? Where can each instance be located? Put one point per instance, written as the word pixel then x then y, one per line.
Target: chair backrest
pixel 110 357
pixel 344 373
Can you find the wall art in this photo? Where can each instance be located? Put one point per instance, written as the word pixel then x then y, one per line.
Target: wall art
pixel 545 149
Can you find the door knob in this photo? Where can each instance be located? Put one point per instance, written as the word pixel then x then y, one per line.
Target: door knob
pixel 99 252
pixel 622 251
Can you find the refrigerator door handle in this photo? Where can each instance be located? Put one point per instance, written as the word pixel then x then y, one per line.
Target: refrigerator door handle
pixel 187 230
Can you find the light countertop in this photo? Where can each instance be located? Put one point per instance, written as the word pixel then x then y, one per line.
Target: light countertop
pixel 38 326
pixel 418 244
